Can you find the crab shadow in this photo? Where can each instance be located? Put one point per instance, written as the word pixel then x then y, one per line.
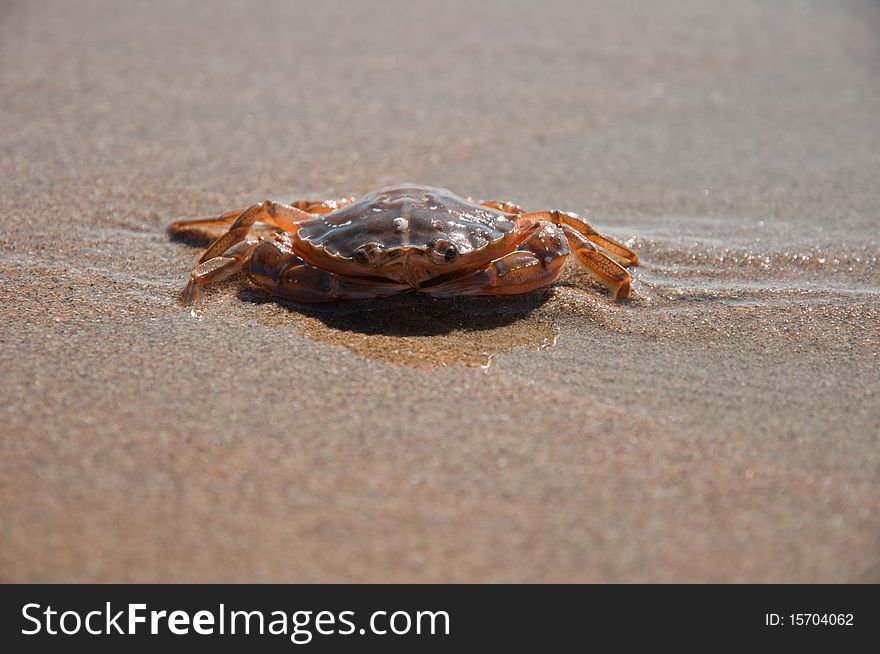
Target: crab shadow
pixel 413 314
pixel 196 238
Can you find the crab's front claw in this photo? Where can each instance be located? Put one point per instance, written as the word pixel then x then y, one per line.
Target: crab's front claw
pixel 536 263
pixel 275 267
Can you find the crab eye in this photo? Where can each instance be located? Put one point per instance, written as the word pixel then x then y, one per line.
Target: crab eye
pixel 443 251
pixel 368 253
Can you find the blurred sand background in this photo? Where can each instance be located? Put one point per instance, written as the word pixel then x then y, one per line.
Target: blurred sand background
pixel 720 426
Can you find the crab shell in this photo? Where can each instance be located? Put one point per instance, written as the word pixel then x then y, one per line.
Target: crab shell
pixel 408 234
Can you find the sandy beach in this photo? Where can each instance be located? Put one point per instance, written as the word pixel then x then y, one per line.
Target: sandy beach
pixel 719 426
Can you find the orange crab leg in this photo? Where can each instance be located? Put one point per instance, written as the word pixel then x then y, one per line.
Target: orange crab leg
pixel 501 205
pixel 224 219
pixel 269 212
pixel 314 207
pixel 321 206
pixel 617 251
pixel 217 269
pixel 599 265
pixel 223 258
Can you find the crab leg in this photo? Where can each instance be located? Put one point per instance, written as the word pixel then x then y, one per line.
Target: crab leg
pixel 224 219
pixel 218 268
pixel 599 262
pixel 617 251
pixel 599 265
pixel 321 206
pixel 223 258
pixel 272 213
pixel 506 207
pixel 314 207
pixel 536 262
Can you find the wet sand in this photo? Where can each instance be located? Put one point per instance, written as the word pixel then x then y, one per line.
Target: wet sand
pixel 721 425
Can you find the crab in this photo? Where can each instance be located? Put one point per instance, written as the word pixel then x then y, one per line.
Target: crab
pixel 401 238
